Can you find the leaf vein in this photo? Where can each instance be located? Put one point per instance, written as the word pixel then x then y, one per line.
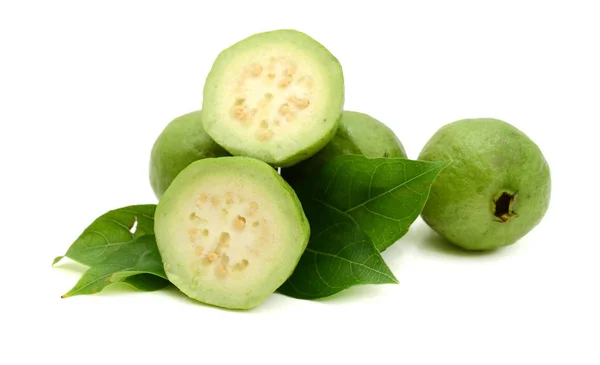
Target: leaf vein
pixel 333 177
pixel 319 273
pixel 351 262
pixel 389 191
pixel 134 212
pixel 104 247
pixel 381 215
pixel 97 280
pixel 118 223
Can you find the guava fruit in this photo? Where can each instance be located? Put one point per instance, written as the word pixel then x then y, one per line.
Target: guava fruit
pixel 230 231
pixel 275 96
pixel 357 134
pixel 360 134
pixel 495 191
pixel 180 143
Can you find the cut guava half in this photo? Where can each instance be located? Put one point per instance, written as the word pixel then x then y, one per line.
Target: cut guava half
pixel 230 231
pixel 275 96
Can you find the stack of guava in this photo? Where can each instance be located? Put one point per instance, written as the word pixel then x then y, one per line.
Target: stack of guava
pixel 231 230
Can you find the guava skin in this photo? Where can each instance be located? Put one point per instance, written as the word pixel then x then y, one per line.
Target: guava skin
pixel 181 142
pixel 495 191
pixel 361 134
pixel 357 134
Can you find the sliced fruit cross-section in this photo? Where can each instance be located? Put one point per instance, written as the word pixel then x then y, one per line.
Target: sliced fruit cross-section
pixel 230 231
pixel 275 96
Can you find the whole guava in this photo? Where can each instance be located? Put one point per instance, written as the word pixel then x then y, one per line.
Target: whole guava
pixel 495 191
pixel 181 142
pixel 357 134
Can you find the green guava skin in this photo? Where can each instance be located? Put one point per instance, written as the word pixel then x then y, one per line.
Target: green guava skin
pixel 304 146
pixel 357 134
pixel 258 177
pixel 489 157
pixel 361 134
pixel 181 142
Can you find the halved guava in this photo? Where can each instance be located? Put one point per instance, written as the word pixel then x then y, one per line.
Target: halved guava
pixel 276 96
pixel 181 142
pixel 230 231
pixel 357 134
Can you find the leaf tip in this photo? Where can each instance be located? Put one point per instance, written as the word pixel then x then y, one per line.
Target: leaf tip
pixel 56 260
pixel 69 294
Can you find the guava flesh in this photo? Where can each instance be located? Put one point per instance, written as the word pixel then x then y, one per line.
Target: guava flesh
pixel 180 143
pixel 230 231
pixel 495 191
pixel 357 134
pixel 275 96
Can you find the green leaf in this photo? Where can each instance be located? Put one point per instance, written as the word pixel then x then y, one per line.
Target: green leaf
pixel 384 196
pixel 339 255
pixel 110 232
pixel 147 282
pixel 357 207
pixel 141 256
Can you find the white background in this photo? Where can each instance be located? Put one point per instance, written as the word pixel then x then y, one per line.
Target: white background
pixel 85 88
